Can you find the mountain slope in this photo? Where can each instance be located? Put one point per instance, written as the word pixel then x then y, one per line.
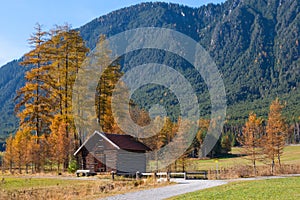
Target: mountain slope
pixel 254 43
pixel 11 79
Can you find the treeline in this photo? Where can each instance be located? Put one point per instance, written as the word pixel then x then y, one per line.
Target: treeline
pixel 47 134
pixel 264 140
pixel 44 104
pixel 261 139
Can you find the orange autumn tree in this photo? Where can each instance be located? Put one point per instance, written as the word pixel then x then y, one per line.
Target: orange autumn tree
pixel 276 132
pixel 60 143
pixel 110 76
pixel 66 53
pixel 32 107
pixel 9 153
pixel 54 63
pixel 21 145
pixel 184 137
pixel 251 139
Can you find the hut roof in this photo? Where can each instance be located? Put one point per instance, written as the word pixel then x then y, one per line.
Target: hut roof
pixel 126 142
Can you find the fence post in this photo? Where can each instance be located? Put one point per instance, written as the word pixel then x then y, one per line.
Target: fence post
pixel 217 168
pixel 112 175
pixel 137 175
pixel 168 176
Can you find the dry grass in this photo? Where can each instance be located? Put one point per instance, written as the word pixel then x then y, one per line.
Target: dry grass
pixel 236 166
pixel 246 171
pixel 58 188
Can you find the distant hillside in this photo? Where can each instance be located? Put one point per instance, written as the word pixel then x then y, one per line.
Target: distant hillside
pixel 11 79
pixel 256 45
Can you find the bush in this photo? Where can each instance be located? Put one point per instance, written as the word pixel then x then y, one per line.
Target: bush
pixel 72 166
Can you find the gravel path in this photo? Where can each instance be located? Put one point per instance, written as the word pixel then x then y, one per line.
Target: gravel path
pixel 182 187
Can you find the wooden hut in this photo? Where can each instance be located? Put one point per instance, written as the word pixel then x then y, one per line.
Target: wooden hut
pixel 103 152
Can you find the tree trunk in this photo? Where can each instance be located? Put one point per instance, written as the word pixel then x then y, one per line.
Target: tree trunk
pixel 3 167
pixel 272 167
pixel 10 167
pixel 254 168
pixel 20 168
pixel 58 168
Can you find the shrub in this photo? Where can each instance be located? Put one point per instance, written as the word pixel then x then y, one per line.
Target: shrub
pixel 72 166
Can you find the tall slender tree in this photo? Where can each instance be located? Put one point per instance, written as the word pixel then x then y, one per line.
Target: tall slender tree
pixel 274 139
pixel 69 54
pixel 33 108
pixel 111 73
pixel 48 90
pixel 60 144
pixel 251 139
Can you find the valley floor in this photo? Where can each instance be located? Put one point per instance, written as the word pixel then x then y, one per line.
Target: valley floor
pixel 184 187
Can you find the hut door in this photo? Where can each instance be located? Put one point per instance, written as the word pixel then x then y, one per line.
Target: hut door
pixel 100 163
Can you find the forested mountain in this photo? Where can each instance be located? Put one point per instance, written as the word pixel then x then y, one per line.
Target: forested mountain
pixel 255 45
pixel 11 79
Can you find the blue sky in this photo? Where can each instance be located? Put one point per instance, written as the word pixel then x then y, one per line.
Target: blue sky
pixel 18 17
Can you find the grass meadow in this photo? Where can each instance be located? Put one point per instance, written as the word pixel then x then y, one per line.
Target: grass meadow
pixel 275 189
pixel 291 156
pixel 236 165
pixel 21 186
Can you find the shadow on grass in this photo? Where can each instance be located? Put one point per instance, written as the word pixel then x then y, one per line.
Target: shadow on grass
pixel 229 155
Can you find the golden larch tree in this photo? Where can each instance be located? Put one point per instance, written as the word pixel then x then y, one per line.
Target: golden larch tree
pixel 60 143
pixel 251 139
pixel 111 73
pixel 9 153
pixel 32 108
pixel 20 145
pixel 276 131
